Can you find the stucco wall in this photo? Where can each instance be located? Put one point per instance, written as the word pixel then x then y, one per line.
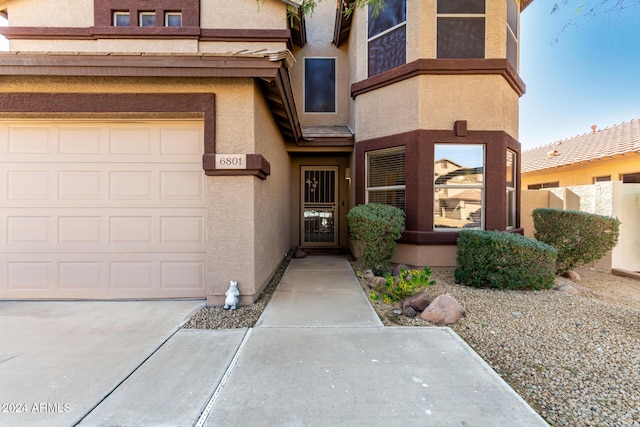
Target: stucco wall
pixel 614 199
pixel 319 36
pixel 243 14
pixel 487 102
pixel 40 13
pixel 272 208
pixel 247 218
pixel 583 174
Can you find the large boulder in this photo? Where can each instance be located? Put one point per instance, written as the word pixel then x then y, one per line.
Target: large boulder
pixel 444 310
pixel 418 302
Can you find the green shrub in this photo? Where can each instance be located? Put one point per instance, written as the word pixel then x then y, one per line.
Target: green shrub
pixel 407 283
pixel 579 237
pixel 374 230
pixel 504 260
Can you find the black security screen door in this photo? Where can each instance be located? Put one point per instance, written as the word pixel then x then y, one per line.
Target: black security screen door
pixel 319 209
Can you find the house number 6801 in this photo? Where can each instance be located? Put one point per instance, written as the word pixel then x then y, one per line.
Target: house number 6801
pixel 231 161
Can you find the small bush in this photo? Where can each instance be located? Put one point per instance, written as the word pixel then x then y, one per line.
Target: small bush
pixel 579 237
pixel 504 260
pixel 374 230
pixel 407 283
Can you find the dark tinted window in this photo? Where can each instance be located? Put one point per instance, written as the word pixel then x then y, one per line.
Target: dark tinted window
pixel 460 37
pixel 388 51
pixel 393 13
pixel 320 85
pixel 461 6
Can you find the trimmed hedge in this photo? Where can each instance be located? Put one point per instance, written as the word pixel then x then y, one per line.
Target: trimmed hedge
pixel 374 229
pixel 497 259
pixel 579 237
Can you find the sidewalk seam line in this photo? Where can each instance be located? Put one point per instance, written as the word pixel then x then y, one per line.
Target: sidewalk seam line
pixel 207 410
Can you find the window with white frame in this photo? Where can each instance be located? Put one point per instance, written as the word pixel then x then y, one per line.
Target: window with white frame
pixel 512 33
pixel 385 177
pixel 511 189
pixel 121 19
pixel 387 37
pixel 147 19
pixel 173 19
pixel 461 29
pixel 459 193
pixel 319 85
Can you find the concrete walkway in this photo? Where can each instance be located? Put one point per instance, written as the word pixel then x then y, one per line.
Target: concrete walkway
pixel 319 356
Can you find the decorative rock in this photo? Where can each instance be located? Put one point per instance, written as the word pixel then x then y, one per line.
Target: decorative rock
pixel 418 301
pixel 380 282
pixel 444 310
pixel 397 312
pixel 516 314
pixel 410 312
pixel 567 289
pixel 572 275
pixel 398 269
pixel 300 253
pixel 368 275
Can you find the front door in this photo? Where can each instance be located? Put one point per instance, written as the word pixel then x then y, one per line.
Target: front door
pixel 319 207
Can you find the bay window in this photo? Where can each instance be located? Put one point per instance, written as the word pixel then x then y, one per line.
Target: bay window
pixel 461 28
pixel 387 37
pixel 458 186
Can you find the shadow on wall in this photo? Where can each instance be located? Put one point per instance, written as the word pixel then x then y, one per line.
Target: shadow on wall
pixel 613 198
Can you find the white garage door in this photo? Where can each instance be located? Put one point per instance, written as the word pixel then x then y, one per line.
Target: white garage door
pixel 101 209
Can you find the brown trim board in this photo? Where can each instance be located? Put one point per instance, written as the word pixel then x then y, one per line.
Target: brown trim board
pixel 272 75
pixel 110 32
pixel 419 146
pixel 421 67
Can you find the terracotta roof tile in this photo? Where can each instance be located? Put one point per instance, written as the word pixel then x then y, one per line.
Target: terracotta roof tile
pixel 616 140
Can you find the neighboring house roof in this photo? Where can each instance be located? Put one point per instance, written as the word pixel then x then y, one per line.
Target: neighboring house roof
pixel 614 141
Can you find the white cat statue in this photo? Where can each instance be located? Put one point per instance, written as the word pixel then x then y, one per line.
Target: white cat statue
pixel 232 294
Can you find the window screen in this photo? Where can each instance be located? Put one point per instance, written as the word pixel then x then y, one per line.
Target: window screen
pixel 387 37
pixel 461 29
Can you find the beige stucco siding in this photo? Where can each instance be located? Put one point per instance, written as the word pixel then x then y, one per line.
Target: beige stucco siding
pixel 272 208
pixel 243 14
pixel 389 110
pixel 47 13
pixel 319 36
pixel 487 102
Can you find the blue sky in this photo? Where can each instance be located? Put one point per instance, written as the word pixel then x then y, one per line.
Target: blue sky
pixel 590 76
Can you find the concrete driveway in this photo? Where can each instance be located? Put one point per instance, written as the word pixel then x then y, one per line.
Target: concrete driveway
pixel 59 360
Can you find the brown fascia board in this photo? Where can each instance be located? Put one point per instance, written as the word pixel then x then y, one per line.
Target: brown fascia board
pixel 524 4
pixel 342 24
pixel 140 65
pixel 108 65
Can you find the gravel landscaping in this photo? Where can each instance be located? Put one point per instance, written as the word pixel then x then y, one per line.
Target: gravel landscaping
pixel 574 358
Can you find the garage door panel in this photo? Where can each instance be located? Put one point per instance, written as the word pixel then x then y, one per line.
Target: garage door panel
pixel 102 210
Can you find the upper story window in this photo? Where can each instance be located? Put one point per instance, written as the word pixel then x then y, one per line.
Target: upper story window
pixel 387 37
pixel 173 19
pixel 121 19
pixel 158 14
pixel 461 29
pixel 459 193
pixel 512 33
pixel 147 19
pixel 319 85
pixel 386 177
